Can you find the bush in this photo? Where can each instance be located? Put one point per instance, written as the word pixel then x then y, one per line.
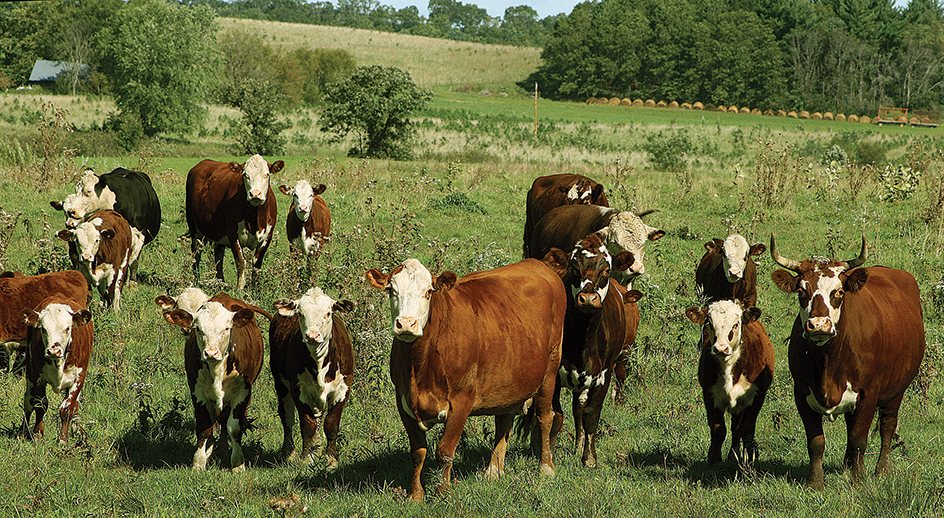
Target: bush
pixel 667 150
pixel 898 183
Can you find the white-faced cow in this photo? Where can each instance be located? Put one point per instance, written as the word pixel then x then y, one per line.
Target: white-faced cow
pixel 103 244
pixel 480 345
pixel 222 357
pixel 308 223
pixel 563 226
pixel 312 363
pixel 232 205
pixel 18 291
pixel 735 370
pixel 548 192
pixel 855 347
pixel 727 272
pixel 128 193
pixel 595 331
pixel 59 336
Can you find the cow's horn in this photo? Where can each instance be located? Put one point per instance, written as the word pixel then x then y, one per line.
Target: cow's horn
pixel 789 264
pixel 858 260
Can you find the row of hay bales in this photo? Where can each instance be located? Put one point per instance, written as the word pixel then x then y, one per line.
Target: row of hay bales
pixel 802 114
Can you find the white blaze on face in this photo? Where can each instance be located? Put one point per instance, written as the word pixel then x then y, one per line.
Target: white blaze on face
pixel 724 329
pixel 410 290
pixel 828 293
pixel 735 256
pixel 55 323
pixel 315 321
pixel 589 255
pixel 214 325
pixel 303 197
pixel 191 299
pixel 88 239
pixel 256 180
pixel 85 201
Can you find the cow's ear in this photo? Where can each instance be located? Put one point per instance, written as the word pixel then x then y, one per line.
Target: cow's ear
pixel 343 306
pixel 557 261
pixel 854 279
pixel 623 260
pixel 655 233
pixel 81 317
pixel 445 281
pixel 56 204
pixel 285 190
pixel 30 317
pixel 108 234
pixel 596 193
pixel 65 235
pixel 713 246
pixel 276 167
pixel 286 307
pixel 166 302
pixel 757 249
pixel 785 280
pixel 320 188
pixel 377 279
pixel 243 317
pixel 632 296
pixel 179 317
pixel 697 315
pixel 750 314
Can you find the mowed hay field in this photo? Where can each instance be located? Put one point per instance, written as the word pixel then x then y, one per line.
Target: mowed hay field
pixel 461 207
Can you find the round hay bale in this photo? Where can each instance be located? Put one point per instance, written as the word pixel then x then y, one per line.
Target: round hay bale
pixel 914 120
pixel 903 119
pixel 770 113
pixel 817 116
pixel 828 116
pixel 626 102
pixel 614 101
pixel 591 100
pixel 744 109
pixel 865 119
pixel 840 117
pixel 638 103
pixel 733 109
pixel 721 108
pixel 649 103
pixel 603 100
pixel 674 105
pixel 685 106
pixel 853 118
pixel 756 111
pixel 803 114
pixel 710 107
pixel 781 113
pixel 662 104
pixel 926 120
pixel 792 114
pixel 697 105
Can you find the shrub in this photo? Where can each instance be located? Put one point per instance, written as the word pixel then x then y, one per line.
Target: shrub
pixel 775 174
pixel 898 183
pixel 668 150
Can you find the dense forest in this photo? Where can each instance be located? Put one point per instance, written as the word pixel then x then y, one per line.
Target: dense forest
pixel 817 55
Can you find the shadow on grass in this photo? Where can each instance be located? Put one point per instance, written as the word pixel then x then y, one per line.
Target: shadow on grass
pixel 659 463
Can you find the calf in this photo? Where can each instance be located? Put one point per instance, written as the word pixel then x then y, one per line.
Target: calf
pixel 548 192
pixel 222 357
pixel 59 345
pixel 190 300
pixel 735 370
pixel 231 205
pixel 104 248
pixel 312 364
pixel 18 291
pixel 727 272
pixel 308 223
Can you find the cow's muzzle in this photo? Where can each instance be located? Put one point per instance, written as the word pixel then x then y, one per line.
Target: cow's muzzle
pixel 407 329
pixel 588 301
pixel 55 351
pixel 256 198
pixel 212 355
pixel 819 329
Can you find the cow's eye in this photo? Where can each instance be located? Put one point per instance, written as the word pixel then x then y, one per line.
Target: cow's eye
pixel 429 293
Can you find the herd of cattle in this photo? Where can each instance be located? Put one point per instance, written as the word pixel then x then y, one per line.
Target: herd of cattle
pixel 502 342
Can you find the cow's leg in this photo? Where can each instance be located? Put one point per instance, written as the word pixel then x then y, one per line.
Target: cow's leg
pixel 815 440
pixel 236 426
pixel 858 423
pixel 743 426
pixel 309 426
pixel 332 425
pixel 286 408
pixel 417 452
pixel 68 407
pixel 240 261
pixel 196 250
pixel 578 409
pixel 34 400
pixel 137 243
pixel 887 427
pixel 550 416
pixel 619 377
pixel 716 428
pixel 591 421
pixel 503 425
pixel 204 428
pixel 218 252
pixel 452 432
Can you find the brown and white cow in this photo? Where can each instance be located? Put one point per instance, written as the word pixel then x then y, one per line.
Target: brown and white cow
pixel 727 272
pixel 595 331
pixel 631 314
pixel 548 192
pixel 564 226
pixel 308 223
pixel 222 357
pixel 480 345
pixel 59 336
pixel 855 347
pixel 103 243
pixel 232 205
pixel 18 291
pixel 735 370
pixel 312 364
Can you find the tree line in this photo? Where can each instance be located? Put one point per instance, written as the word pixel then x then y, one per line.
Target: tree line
pixel 819 55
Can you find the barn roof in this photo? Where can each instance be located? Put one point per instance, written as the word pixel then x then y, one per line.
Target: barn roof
pixel 44 70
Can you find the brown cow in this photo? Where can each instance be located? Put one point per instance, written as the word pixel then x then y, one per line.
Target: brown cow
pixel 631 313
pixel 231 205
pixel 480 345
pixel 223 357
pixel 308 223
pixel 312 364
pixel 104 253
pixel 595 329
pixel 727 272
pixel 735 370
pixel 59 336
pixel 855 364
pixel 18 291
pixel 548 192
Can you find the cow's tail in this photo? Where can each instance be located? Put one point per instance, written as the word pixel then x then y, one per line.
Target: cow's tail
pixel 527 420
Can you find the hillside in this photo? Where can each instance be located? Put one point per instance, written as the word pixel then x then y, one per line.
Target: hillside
pixel 432 62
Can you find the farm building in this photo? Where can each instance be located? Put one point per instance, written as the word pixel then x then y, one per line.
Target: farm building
pixel 45 72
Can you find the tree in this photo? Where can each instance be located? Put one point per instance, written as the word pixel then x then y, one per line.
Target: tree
pixel 160 61
pixel 375 104
pixel 258 131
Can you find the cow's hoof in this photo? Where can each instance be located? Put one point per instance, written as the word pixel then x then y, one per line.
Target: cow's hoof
pixel 239 469
pixel 492 472
pixel 547 471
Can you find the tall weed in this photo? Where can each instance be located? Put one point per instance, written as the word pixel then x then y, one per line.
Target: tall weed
pixel 776 174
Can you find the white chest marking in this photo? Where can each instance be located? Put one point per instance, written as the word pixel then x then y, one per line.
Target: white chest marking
pixel 733 397
pixel 215 389
pixel 318 393
pixel 309 244
pixel 846 404
pixel 60 377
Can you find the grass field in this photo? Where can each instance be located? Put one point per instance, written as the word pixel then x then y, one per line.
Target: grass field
pixel 461 207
